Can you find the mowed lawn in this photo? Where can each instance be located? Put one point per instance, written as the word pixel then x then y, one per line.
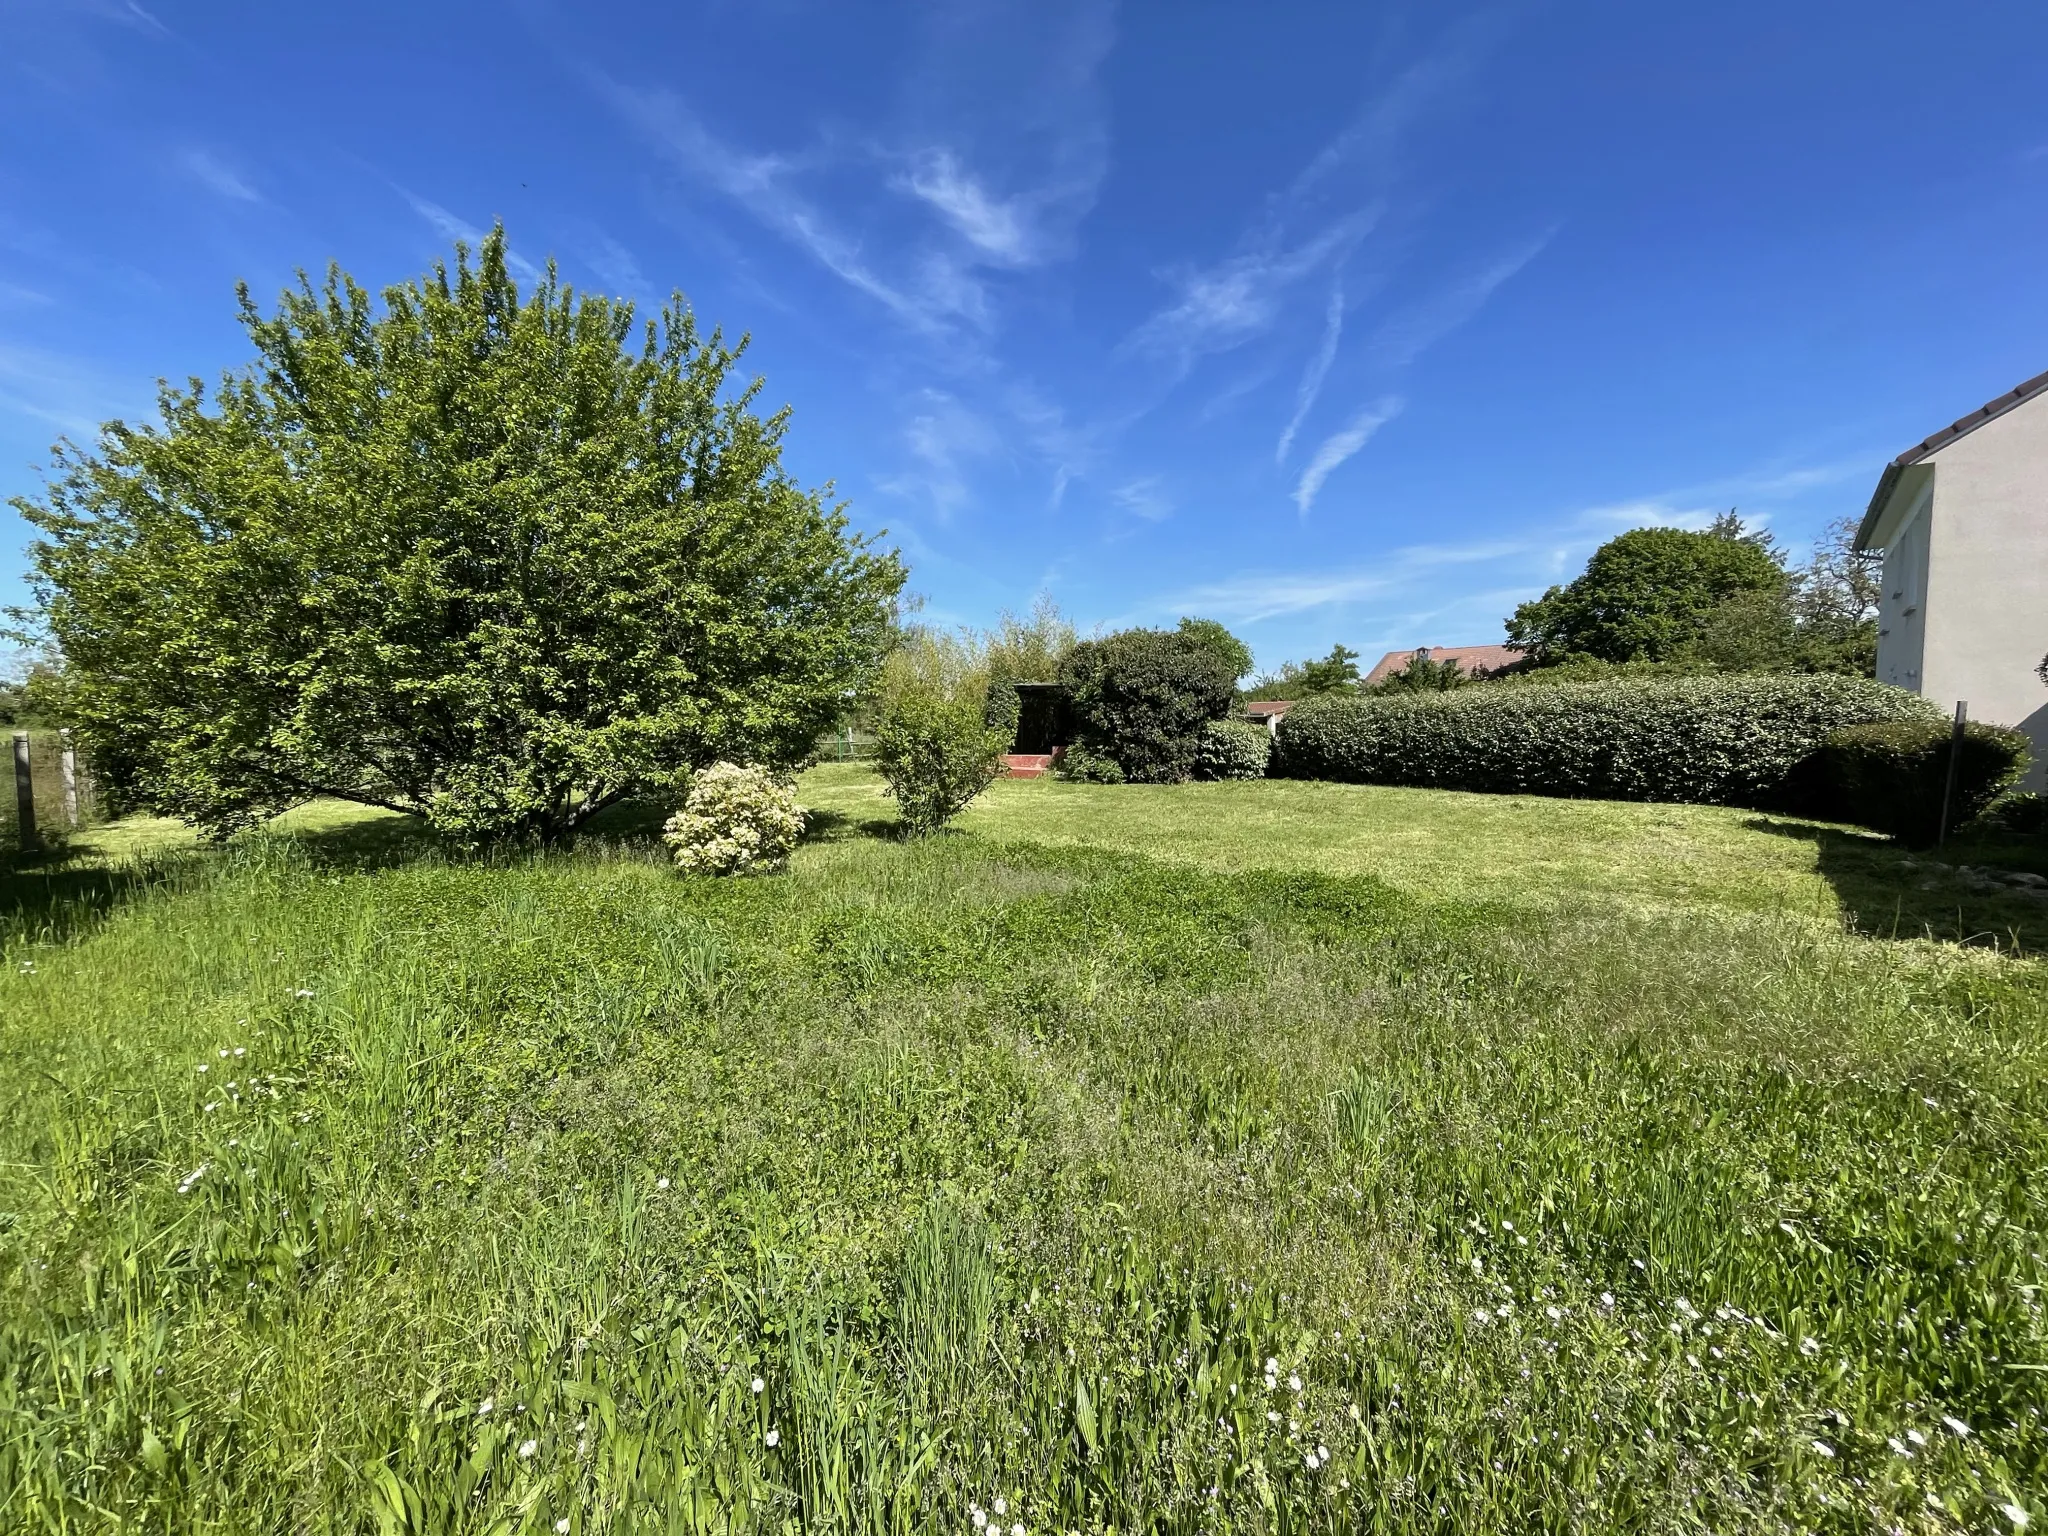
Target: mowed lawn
pixel 1515 849
pixel 1266 1157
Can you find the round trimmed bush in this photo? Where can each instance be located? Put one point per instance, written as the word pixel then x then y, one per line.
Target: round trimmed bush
pixel 1232 749
pixel 1720 740
pixel 734 819
pixel 1141 696
pixel 1891 776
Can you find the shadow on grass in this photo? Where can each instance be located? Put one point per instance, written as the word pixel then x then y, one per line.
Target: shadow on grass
pixel 1890 892
pixel 52 899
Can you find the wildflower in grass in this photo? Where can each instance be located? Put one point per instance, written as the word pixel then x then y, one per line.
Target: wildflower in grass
pixel 1825 1449
pixel 1607 1298
pixel 241 1050
pixel 1001 1507
pixel 1272 1416
pixel 212 1106
pixel 757 1386
pixel 773 1438
pixel 1956 1426
pixel 484 1408
pixel 2015 1514
pixel 1809 1345
pixel 1916 1437
pixel 980 1520
pixel 202 1066
pixel 1017 1529
pixel 661 1183
pixel 562 1526
pixel 303 992
pixel 1293 1383
pixel 527 1448
pixel 1898 1447
pixel 1481 1315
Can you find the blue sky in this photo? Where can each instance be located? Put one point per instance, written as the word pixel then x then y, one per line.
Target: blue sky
pixel 1351 323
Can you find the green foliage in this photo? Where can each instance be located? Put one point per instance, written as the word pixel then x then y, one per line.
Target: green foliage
pixel 1007 1174
pixel 1080 766
pixel 2021 812
pixel 1422 674
pixel 1226 647
pixel 1891 776
pixel 1002 707
pixel 464 556
pixel 937 752
pixel 1233 749
pixel 38 699
pixel 1711 740
pixel 1028 649
pixel 1141 697
pixel 1590 669
pixel 1646 595
pixel 1335 673
pixel 735 820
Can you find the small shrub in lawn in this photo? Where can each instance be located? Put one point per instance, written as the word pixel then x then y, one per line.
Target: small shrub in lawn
pixel 1891 776
pixel 1232 749
pixel 1141 696
pixel 937 754
pixel 1724 740
pixel 734 819
pixel 1078 765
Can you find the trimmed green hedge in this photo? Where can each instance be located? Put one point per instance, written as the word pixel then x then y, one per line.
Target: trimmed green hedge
pixel 1733 740
pixel 1891 776
pixel 1233 749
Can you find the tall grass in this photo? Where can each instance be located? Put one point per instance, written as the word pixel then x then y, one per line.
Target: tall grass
pixel 961 1186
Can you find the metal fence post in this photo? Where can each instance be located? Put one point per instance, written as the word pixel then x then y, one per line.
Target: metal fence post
pixel 25 795
pixel 1955 752
pixel 67 775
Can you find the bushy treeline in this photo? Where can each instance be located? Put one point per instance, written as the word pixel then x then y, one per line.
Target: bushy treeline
pixel 1732 740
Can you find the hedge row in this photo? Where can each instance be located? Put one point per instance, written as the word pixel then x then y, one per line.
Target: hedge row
pixel 1893 776
pixel 1733 740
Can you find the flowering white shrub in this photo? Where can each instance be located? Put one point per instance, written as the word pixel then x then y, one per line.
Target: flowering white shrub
pixel 734 819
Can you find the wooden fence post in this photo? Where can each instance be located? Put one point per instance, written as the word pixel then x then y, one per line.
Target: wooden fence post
pixel 67 775
pixel 25 795
pixel 1955 753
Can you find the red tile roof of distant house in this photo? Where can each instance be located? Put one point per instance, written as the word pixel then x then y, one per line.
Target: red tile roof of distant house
pixel 1260 709
pixel 1472 660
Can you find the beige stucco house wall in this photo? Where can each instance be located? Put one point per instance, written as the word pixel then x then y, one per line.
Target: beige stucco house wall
pixel 1963 523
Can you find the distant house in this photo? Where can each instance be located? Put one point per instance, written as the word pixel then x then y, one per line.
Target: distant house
pixel 1267 712
pixel 1962 520
pixel 1472 660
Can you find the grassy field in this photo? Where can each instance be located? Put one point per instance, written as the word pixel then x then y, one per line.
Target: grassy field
pixel 1253 1158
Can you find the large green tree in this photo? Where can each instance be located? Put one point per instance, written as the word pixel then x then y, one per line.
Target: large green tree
pixel 462 554
pixel 1646 595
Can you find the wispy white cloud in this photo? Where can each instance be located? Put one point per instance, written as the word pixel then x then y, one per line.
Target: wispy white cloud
pixel 215 177
pixel 1318 369
pixel 59 391
pixel 15 296
pixel 613 262
pixel 125 13
pixel 1407 335
pixel 1341 445
pixel 1222 306
pixel 453 228
pixel 943 439
pixel 998 227
pixel 1143 498
pixel 763 184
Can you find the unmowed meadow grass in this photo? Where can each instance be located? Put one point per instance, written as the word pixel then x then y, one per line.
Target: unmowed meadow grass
pixel 974 1186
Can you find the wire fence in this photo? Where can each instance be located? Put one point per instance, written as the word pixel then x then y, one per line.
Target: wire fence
pixel 46 790
pixel 846 745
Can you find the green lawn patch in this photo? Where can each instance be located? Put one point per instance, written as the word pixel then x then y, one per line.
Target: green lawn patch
pixel 1260 1188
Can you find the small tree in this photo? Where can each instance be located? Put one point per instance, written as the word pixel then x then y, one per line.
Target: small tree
pixel 935 743
pixel 466 556
pixel 1141 697
pixel 1423 674
pixel 1335 673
